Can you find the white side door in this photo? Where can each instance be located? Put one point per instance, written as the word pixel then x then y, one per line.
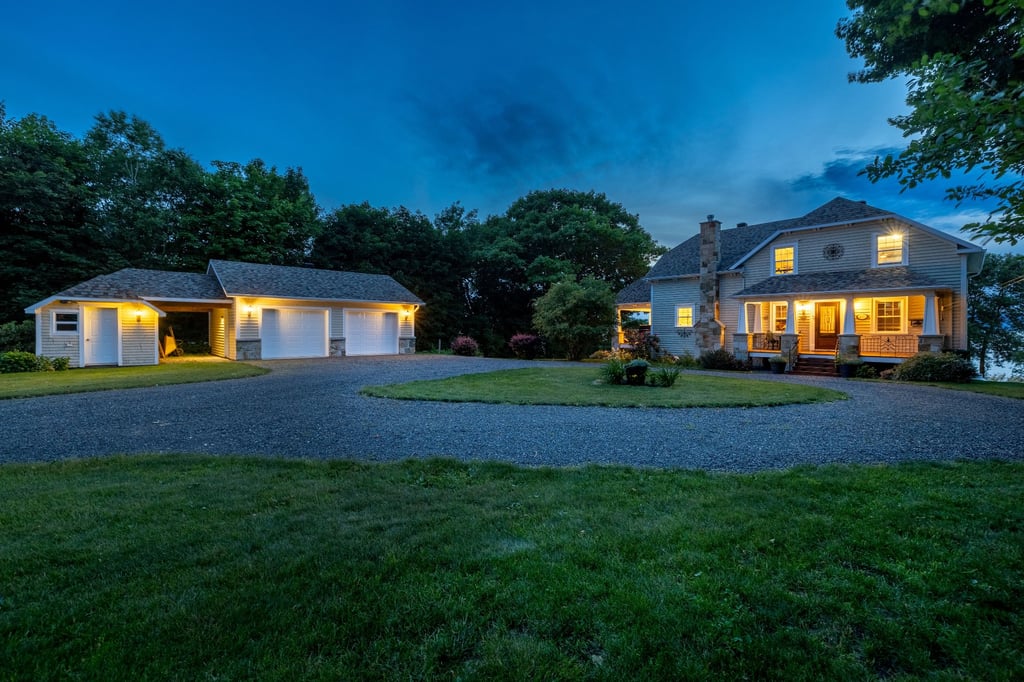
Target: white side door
pixel 101 336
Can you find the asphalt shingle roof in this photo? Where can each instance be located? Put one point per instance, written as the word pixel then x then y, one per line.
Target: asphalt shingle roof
pixel 737 242
pixel 637 291
pixel 134 283
pixel 843 281
pixel 279 281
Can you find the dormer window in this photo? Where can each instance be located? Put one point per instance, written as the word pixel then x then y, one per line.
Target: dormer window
pixel 890 249
pixel 784 260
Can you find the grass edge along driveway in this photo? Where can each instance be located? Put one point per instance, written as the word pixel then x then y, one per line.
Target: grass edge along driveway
pixel 581 386
pixel 34 384
pixel 161 567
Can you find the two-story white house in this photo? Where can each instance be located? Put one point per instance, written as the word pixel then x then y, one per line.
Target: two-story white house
pixel 846 278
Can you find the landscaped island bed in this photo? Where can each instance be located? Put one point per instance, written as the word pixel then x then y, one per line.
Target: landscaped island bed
pixel 161 567
pixel 549 385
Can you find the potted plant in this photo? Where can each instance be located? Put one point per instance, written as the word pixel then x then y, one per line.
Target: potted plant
pixel 847 365
pixel 636 372
pixel 778 363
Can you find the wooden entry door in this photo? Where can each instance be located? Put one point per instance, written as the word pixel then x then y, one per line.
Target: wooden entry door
pixel 827 316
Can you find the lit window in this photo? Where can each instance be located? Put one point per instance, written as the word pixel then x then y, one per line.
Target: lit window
pixel 780 317
pixel 889 249
pixel 784 258
pixel 65 322
pixel 684 316
pixel 888 316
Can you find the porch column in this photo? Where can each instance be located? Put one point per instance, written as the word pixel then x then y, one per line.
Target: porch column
pixel 759 307
pixel 930 339
pixel 849 321
pixel 849 341
pixel 790 340
pixel 740 340
pixel 929 315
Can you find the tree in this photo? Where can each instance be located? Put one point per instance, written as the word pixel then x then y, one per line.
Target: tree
pixel 144 190
pixel 544 238
pixel 250 213
pixel 47 238
pixel 965 64
pixel 427 258
pixel 577 316
pixel 996 311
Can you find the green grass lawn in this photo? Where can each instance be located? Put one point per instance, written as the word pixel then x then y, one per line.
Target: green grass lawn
pixel 175 567
pixel 31 384
pixel 581 386
pixel 1006 389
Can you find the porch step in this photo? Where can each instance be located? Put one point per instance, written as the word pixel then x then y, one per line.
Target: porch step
pixel 822 367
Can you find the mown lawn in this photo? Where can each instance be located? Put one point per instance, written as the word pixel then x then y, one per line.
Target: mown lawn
pixel 547 385
pixel 32 384
pixel 176 567
pixel 1006 389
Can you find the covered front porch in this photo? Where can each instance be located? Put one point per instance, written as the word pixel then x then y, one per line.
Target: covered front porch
pixel 883 327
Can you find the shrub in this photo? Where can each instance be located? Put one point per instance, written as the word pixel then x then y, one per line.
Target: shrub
pixel 18 336
pixel 687 361
pixel 465 345
pixel 664 377
pixel 866 371
pixel 603 355
pixel 19 361
pixel 719 359
pixel 61 364
pixel 614 371
pixel 526 346
pixel 935 367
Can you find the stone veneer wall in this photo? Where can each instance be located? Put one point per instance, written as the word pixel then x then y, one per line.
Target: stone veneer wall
pixel 249 349
pixel 707 328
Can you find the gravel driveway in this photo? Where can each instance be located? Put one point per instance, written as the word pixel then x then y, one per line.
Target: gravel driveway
pixel 312 409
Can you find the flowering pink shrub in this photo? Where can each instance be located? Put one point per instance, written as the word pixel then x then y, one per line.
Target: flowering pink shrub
pixel 465 345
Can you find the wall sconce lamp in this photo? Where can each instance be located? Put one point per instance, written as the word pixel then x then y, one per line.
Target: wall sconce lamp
pixel 248 311
pixel 138 316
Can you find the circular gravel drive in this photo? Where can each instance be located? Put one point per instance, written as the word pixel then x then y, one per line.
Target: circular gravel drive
pixel 312 409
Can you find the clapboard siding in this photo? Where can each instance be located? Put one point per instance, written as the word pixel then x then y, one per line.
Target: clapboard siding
pixel 138 336
pixel 665 297
pixel 218 331
pixel 63 346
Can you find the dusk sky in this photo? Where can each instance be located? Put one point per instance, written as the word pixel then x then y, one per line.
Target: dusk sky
pixel 673 109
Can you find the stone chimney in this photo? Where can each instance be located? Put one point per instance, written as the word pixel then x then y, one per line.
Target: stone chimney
pixel 708 330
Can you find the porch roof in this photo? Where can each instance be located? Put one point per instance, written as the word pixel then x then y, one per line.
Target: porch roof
pixel 842 282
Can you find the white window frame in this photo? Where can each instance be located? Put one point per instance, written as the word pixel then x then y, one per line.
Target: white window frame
pixel 904 311
pixel 875 252
pixel 65 311
pixel 775 248
pixel 693 311
pixel 774 320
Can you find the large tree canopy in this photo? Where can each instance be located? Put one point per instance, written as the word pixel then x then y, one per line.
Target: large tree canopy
pixel 965 63
pixel 546 237
pixel 48 238
pixel 996 312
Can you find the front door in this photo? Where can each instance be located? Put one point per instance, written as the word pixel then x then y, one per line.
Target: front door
pixel 101 336
pixel 827 315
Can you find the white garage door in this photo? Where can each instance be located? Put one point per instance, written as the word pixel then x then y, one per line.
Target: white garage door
pixel 371 333
pixel 294 333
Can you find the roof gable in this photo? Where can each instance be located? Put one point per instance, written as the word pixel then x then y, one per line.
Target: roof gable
pixel 282 281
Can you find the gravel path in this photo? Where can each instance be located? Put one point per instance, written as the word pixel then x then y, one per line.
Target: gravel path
pixel 313 409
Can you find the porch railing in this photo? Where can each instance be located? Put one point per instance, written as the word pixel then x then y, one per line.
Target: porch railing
pixel 763 341
pixel 889 345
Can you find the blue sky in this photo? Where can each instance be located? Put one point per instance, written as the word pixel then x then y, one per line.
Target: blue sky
pixel 673 109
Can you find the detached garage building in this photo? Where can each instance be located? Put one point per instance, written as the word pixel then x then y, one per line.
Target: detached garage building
pixel 256 312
